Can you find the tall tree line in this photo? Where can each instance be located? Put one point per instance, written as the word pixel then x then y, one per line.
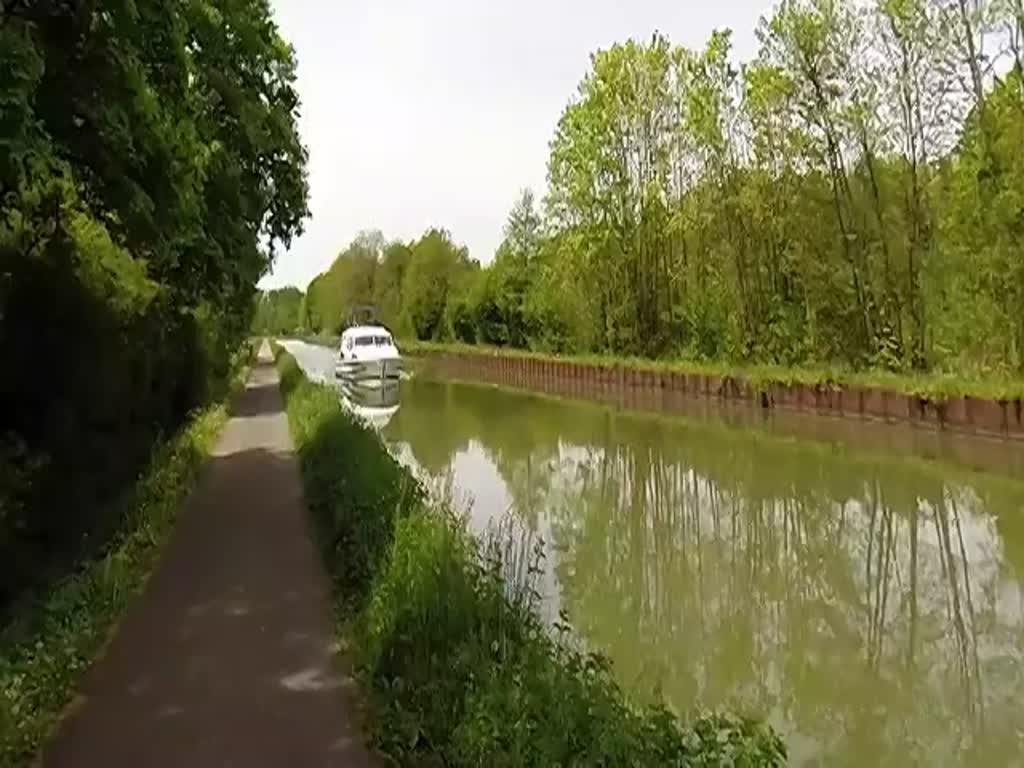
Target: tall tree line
pixel 148 158
pixel 853 195
pixel 833 200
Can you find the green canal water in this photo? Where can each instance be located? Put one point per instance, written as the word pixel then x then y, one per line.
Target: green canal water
pixel 869 605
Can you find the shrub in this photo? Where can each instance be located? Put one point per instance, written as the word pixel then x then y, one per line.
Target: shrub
pixel 352 510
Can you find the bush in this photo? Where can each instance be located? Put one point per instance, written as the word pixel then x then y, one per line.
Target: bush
pixel 461 670
pixel 353 511
pixel 93 385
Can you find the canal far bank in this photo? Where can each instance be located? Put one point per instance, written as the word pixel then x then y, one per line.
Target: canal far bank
pixel 934 404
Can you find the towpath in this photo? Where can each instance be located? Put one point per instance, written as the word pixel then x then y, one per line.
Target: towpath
pixel 227 658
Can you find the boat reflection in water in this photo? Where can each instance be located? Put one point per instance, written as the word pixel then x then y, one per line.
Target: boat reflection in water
pixel 375 403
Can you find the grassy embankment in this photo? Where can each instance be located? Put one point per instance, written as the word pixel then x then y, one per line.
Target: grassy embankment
pixel 459 668
pixel 56 633
pixel 934 386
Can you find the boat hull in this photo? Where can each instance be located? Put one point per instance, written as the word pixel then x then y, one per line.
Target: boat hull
pixel 368 371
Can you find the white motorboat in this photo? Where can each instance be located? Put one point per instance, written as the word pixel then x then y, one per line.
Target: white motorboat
pixel 368 355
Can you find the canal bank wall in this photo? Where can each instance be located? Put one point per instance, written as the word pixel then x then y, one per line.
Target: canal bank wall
pixel 646 388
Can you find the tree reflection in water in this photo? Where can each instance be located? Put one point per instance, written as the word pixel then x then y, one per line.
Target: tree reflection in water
pixel 869 606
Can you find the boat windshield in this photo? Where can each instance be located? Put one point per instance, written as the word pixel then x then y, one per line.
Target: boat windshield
pixel 371 341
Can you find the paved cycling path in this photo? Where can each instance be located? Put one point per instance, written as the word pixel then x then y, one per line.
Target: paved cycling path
pixel 226 659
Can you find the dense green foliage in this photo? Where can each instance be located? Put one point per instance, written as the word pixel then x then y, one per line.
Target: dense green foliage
pixel 414 288
pixel 148 154
pixel 346 285
pixel 460 669
pixel 354 510
pixel 277 312
pixel 853 196
pixel 55 638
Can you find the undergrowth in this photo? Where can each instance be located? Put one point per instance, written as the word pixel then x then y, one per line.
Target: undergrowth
pixel 56 634
pixel 459 668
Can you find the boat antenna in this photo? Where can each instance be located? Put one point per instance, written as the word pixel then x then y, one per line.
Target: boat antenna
pixel 362 314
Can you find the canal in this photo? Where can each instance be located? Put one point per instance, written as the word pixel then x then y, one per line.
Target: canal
pixel 868 604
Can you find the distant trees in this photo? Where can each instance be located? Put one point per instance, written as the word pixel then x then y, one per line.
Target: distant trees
pixel 430 288
pixel 412 286
pixel 347 283
pixel 278 311
pixel 389 280
pixel 436 267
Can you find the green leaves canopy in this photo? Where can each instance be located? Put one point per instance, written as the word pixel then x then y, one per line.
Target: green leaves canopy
pixel 849 197
pixel 149 165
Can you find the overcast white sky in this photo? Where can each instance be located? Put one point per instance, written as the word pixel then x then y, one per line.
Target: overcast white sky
pixel 420 113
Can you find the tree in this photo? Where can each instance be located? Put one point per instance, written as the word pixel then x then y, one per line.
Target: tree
pixel 388 281
pixel 814 42
pixel 277 311
pixel 347 284
pixel 148 157
pixel 608 174
pixel 435 263
pixel 502 289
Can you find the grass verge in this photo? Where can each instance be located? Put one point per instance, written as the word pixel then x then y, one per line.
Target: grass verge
pixel 933 386
pixel 459 669
pixel 57 634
